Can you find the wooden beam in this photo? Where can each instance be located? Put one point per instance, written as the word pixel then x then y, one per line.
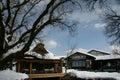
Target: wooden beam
pixel 56 66
pixel 19 67
pixel 30 68
pixel 61 64
pixel 50 75
pixel 39 61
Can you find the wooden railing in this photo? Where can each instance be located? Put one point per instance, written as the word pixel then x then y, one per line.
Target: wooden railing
pixel 46 75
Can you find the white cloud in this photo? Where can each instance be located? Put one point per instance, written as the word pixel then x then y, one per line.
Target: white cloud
pixel 52 44
pixel 99 25
pixel 83 17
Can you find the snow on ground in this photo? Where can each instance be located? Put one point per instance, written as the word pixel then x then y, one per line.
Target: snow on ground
pixel 87 75
pixel 11 75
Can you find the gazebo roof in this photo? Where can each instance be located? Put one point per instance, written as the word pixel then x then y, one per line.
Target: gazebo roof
pixel 39 48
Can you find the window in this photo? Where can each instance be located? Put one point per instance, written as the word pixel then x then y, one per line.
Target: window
pixel 80 63
pixel 74 64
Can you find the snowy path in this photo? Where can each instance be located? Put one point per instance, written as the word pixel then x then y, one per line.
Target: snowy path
pixel 93 75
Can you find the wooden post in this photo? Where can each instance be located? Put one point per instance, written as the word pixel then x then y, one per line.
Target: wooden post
pixel 30 68
pixel 11 65
pixel 56 66
pixel 61 64
pixel 101 65
pixel 117 63
pixel 19 67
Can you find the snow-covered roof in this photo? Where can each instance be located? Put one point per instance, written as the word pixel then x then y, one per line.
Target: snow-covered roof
pixel 100 57
pixel 49 55
pixel 82 51
pixel 85 53
pixel 107 57
pixel 98 52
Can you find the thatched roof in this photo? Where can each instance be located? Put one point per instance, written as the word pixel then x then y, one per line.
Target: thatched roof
pixel 39 48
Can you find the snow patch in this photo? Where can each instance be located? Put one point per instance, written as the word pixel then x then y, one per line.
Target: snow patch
pixel 49 55
pixel 11 75
pixel 13 50
pixel 92 75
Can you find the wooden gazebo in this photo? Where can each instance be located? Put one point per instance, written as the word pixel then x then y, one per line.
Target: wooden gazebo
pixel 42 68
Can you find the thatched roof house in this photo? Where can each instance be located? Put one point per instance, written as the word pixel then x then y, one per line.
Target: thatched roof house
pixel 39 48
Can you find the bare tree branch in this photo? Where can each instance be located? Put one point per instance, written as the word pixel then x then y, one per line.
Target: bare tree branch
pixel 9 12
pixel 112 29
pixel 20 31
pixel 2 35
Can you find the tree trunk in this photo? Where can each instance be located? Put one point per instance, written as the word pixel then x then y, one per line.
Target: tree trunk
pixel 2 36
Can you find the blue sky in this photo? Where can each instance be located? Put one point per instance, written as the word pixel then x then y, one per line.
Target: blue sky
pixel 89 34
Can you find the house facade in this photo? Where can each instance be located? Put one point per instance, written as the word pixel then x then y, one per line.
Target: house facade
pixel 108 63
pixel 80 61
pixel 94 60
